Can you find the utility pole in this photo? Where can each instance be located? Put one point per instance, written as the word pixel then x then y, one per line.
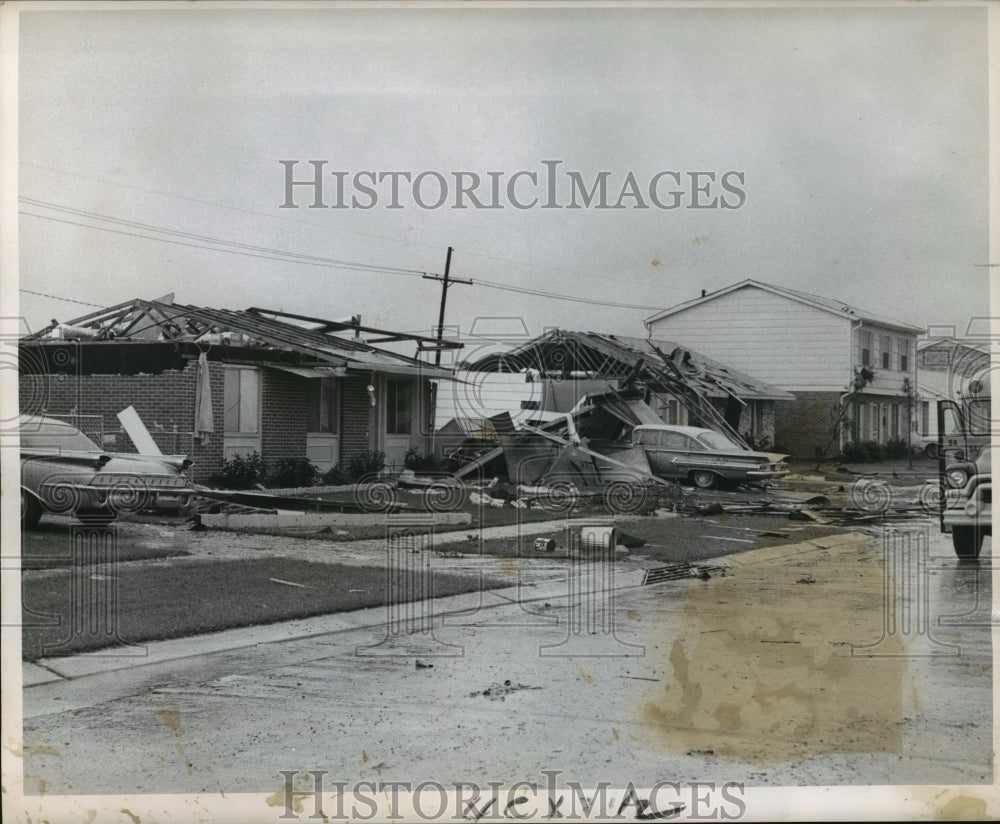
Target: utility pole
pixel 446 281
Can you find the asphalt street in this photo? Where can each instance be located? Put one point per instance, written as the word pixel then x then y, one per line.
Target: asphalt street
pixel 846 659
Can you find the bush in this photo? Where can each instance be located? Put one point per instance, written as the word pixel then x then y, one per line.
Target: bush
pixel 336 477
pixel 242 471
pixel 897 448
pixel 418 462
pixel 866 452
pixel 369 462
pixel 292 472
pixel 875 451
pixel 852 452
pixel 760 443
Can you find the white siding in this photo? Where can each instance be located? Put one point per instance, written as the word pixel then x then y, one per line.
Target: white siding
pixel 887 381
pixel 482 394
pixel 789 344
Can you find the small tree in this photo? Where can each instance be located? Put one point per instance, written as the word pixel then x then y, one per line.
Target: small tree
pixel 863 376
pixel 909 402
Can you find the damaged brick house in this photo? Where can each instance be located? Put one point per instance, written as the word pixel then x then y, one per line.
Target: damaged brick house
pixel 554 370
pixel 811 346
pixel 215 383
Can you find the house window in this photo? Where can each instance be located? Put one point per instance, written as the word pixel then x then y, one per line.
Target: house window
pixel 925 417
pixel 904 355
pixel 324 406
pixel 866 348
pixel 399 407
pixel 886 344
pixel 241 399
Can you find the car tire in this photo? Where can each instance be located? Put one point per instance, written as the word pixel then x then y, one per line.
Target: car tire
pixel 96 517
pixel 967 540
pixel 31 510
pixel 703 479
pixel 931 451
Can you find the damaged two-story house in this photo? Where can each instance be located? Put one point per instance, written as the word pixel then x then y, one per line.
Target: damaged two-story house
pixel 216 383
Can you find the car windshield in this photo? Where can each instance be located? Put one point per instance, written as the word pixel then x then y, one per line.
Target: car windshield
pixel 716 440
pixel 55 437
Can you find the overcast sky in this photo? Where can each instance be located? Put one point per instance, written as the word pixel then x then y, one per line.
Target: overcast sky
pixel 859 135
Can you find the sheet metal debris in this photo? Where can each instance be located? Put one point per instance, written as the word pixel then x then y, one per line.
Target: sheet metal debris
pixel 679 572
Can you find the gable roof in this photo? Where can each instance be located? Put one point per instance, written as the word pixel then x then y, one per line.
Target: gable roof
pixel 835 307
pixel 268 335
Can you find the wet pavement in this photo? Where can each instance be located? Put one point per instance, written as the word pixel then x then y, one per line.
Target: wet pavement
pixel 811 662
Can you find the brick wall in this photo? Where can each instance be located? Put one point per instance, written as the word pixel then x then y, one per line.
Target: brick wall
pixel 165 403
pixel 802 427
pixel 284 416
pixel 356 419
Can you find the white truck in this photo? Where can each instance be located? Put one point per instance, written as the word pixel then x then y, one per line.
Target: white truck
pixel 968 483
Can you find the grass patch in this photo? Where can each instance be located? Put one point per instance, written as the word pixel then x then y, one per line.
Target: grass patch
pixel 191 598
pixel 48 547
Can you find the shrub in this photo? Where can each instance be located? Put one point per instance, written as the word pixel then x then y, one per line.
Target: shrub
pixel 897 448
pixel 369 462
pixel 243 471
pixel 862 452
pixel 418 462
pixel 760 443
pixel 875 451
pixel 336 477
pixel 291 472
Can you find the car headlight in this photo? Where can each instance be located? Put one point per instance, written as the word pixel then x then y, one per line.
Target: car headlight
pixel 958 476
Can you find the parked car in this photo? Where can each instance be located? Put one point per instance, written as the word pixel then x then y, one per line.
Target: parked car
pixel 954 446
pixel 704 457
pixel 64 471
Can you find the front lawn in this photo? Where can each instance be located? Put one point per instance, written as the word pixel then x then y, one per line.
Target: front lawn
pixel 194 597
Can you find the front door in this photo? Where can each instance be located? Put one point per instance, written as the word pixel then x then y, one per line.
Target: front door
pixel 399 419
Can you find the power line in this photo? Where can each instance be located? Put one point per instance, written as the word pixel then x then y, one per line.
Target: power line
pixel 526 264
pixel 557 296
pixel 270 253
pixel 148 227
pixel 548 268
pixel 56 297
pixel 226 206
pixel 277 256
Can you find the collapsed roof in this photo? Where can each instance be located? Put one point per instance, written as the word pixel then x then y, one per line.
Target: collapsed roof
pixel 617 357
pixel 660 365
pixel 153 335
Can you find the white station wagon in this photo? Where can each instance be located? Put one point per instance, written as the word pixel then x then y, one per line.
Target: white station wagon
pixel 704 457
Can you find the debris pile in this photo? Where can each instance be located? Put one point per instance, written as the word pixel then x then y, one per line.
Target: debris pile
pixel 499 692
